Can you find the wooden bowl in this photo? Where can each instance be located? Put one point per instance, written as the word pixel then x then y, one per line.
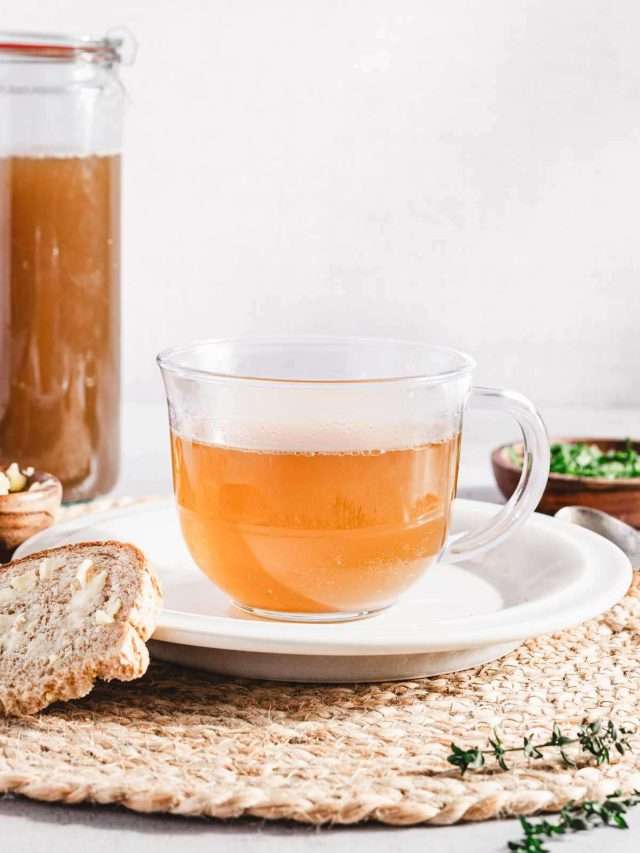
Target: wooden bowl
pixel 620 498
pixel 24 513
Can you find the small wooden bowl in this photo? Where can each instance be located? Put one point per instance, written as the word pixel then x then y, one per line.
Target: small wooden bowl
pixel 620 498
pixel 24 513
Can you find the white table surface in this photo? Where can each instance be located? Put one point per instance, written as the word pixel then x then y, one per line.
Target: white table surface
pixel 29 827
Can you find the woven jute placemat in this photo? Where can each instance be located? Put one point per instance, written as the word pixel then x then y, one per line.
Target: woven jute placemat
pixel 186 743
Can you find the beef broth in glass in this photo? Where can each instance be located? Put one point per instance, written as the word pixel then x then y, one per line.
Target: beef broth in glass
pixel 60 140
pixel 314 477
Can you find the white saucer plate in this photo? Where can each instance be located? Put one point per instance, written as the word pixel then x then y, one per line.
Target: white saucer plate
pixel 548 576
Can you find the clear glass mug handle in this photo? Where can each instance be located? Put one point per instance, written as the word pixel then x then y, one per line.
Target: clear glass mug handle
pixel 535 471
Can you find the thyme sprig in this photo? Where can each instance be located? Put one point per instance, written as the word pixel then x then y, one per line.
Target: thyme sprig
pixel 575 818
pixel 596 739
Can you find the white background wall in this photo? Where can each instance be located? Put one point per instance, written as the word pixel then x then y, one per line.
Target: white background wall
pixel 467 172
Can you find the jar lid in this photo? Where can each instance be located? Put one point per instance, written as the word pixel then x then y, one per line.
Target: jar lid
pixel 117 46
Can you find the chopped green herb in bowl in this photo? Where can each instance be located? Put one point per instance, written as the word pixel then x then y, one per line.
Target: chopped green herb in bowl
pixel 589 460
pixel 603 473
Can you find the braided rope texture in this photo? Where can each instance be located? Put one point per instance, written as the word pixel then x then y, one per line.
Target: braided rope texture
pixel 186 743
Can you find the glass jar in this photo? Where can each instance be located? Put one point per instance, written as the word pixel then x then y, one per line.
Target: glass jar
pixel 61 110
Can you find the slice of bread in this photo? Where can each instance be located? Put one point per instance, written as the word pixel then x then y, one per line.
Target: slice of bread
pixel 71 615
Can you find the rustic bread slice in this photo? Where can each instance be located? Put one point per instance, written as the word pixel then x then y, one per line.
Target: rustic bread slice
pixel 71 615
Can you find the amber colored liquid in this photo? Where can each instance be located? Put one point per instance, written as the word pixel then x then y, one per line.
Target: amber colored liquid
pixel 314 532
pixel 60 318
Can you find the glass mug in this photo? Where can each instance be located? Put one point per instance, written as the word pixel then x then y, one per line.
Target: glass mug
pixel 314 477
